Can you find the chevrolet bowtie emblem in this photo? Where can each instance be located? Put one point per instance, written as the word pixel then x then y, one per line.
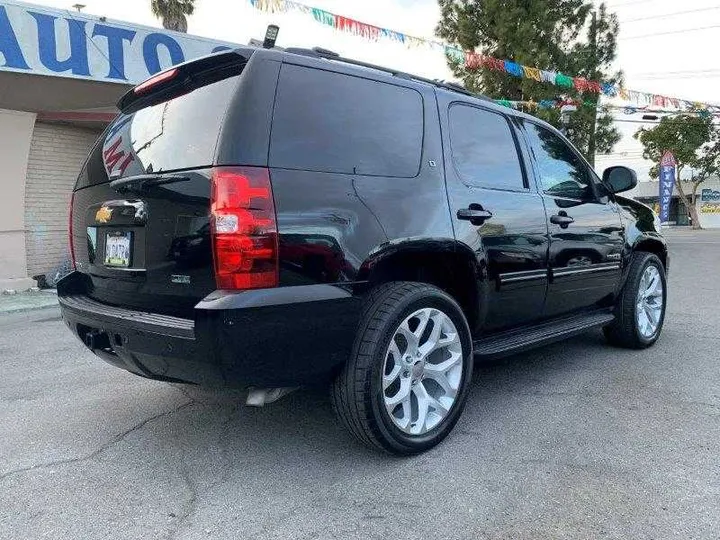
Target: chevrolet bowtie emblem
pixel 103 215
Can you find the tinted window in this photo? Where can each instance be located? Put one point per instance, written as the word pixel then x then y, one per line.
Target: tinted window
pixel 562 172
pixel 178 134
pixel 337 123
pixel 483 148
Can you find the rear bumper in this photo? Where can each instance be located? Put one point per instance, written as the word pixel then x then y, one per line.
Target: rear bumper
pixel 275 337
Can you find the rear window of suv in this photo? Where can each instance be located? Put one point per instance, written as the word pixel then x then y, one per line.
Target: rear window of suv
pixel 178 134
pixel 336 123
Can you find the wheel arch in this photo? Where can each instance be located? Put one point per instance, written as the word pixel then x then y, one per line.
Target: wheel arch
pixel 652 245
pixel 449 265
pixel 645 244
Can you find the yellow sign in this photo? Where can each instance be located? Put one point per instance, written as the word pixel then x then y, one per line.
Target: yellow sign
pixel 103 215
pixel 710 208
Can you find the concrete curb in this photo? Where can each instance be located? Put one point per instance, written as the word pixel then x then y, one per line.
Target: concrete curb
pixel 20 303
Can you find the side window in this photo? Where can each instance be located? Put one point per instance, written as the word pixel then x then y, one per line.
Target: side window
pixel 330 122
pixel 562 172
pixel 483 149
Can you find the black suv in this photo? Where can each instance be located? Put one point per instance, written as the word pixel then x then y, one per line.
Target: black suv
pixel 270 219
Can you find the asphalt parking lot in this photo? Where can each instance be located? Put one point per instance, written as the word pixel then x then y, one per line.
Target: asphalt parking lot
pixel 576 440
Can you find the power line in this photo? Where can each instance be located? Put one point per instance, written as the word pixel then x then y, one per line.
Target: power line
pixel 714 8
pixel 700 74
pixel 672 32
pixel 649 122
pixel 629 3
pixel 679 77
pixel 681 71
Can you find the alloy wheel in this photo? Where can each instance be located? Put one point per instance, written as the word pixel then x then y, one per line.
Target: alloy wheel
pixel 422 371
pixel 650 301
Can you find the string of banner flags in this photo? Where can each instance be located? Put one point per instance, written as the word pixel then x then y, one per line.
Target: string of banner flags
pixel 475 61
pixel 559 103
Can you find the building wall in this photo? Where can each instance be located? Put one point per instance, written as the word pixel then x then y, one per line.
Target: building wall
pixel 57 153
pixel 15 134
pixel 708 204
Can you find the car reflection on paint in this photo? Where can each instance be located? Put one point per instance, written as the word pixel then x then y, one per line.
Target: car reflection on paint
pixel 317 257
pixel 193 250
pixel 583 250
pixel 513 252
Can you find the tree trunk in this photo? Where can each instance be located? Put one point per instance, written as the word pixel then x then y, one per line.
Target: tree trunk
pixel 691 208
pixel 592 140
pixel 696 185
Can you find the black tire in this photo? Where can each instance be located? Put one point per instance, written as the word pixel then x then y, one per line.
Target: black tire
pixel 624 331
pixel 357 394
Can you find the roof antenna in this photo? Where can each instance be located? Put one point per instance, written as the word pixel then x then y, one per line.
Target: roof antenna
pixel 271 35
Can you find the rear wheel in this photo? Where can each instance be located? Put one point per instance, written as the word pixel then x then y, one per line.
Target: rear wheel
pixel 406 382
pixel 640 311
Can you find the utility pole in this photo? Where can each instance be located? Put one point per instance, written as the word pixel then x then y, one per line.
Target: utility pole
pixel 593 75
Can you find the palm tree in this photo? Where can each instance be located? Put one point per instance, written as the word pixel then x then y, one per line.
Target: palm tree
pixel 173 13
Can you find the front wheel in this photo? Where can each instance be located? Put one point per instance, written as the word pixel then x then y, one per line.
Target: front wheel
pixel 406 383
pixel 640 310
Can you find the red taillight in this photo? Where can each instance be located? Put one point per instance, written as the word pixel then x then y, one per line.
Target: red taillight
pixel 70 232
pixel 154 81
pixel 244 229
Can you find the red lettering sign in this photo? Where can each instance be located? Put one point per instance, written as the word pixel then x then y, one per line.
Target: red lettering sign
pixel 112 157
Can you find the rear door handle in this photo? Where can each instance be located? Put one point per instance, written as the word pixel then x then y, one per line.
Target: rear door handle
pixel 561 219
pixel 476 216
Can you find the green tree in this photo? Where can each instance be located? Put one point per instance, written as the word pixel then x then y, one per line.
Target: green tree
pixel 559 35
pixel 694 140
pixel 592 59
pixel 173 13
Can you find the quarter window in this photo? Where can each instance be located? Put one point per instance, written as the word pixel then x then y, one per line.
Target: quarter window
pixel 483 149
pixel 332 122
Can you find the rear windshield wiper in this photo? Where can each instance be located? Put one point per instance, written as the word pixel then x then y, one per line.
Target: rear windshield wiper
pixel 141 182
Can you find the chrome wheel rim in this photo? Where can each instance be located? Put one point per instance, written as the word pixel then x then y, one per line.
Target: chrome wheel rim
pixel 422 371
pixel 650 299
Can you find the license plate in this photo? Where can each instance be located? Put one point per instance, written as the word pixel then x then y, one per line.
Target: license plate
pixel 118 249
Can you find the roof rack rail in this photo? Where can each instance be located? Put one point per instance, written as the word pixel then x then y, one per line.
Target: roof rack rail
pixel 453 86
pixel 318 52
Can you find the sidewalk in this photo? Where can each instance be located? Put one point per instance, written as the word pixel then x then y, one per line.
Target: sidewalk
pixel 27 301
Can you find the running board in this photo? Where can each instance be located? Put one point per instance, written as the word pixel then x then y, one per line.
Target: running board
pixel 514 341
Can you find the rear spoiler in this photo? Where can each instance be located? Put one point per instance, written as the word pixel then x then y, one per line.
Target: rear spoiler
pixel 184 78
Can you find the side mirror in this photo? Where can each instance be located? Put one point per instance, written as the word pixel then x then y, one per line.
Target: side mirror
pixel 620 179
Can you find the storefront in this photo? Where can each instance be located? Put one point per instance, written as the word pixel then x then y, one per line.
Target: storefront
pixel 709 206
pixel 707 202
pixel 60 75
pixel 677 215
